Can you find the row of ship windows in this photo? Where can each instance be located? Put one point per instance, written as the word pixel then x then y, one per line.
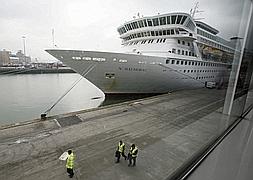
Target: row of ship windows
pixel 175 19
pixel 167 32
pixel 204 77
pixel 192 63
pixel 183 42
pixel 199 71
pixel 157 41
pixel 183 52
pixel 168 61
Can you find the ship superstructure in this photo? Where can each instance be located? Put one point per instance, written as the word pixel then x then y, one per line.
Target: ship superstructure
pixel 163 53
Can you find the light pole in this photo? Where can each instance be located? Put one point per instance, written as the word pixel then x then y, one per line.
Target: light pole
pixel 23 37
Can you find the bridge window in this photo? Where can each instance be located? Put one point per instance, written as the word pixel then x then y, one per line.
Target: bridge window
pixel 152 33
pixel 179 17
pixel 155 22
pixel 132 24
pixel 149 22
pixel 178 51
pixel 129 27
pixel 168 32
pixel 141 24
pixel 173 19
pixel 168 19
pixel 172 32
pixel 183 19
pixel 173 61
pixel 164 32
pixel 145 22
pixel 177 62
pixel 167 61
pixel 162 20
pixel 135 25
pixel 160 33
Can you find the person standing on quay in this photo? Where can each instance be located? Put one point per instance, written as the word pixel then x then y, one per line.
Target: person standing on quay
pixel 120 151
pixel 132 155
pixel 70 163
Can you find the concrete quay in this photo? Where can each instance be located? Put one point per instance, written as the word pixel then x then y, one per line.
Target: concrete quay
pixel 168 129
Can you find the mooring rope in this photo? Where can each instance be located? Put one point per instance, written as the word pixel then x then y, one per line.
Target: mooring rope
pixel 85 72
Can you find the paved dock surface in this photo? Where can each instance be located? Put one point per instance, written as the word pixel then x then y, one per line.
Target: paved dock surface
pixel 168 130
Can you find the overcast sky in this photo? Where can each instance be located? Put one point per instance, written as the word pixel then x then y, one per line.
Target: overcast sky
pixel 92 24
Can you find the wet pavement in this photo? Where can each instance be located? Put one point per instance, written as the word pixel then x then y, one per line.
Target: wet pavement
pixel 168 130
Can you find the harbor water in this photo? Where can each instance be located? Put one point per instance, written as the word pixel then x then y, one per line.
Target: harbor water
pixel 25 96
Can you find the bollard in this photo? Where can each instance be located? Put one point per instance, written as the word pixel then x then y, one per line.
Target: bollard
pixel 43 116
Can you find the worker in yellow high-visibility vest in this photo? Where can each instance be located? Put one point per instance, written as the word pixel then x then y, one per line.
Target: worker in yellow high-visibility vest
pixel 120 151
pixel 132 155
pixel 70 163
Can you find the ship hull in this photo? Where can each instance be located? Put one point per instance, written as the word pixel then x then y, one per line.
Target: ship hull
pixel 119 73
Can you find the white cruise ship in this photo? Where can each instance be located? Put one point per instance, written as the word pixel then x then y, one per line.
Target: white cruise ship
pixel 163 53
